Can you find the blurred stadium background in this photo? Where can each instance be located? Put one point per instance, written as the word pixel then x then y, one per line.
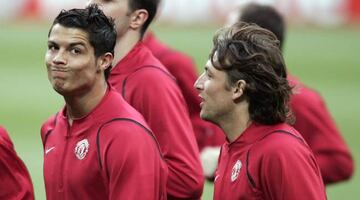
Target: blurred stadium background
pixel 322 49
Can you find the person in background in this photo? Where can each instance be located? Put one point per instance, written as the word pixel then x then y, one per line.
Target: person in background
pixel 15 179
pixel 244 91
pixel 97 146
pixel 150 88
pixel 313 119
pixel 182 67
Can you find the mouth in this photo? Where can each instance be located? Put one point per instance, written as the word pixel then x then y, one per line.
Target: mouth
pixel 202 101
pixel 58 69
pixel 201 104
pixel 58 72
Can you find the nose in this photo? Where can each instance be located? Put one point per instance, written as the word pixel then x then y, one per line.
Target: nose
pixel 59 59
pixel 199 83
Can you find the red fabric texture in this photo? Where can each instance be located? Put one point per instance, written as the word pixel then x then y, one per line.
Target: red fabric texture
pixel 318 128
pixel 183 68
pixel 263 164
pixel 122 159
pixel 15 181
pixel 148 86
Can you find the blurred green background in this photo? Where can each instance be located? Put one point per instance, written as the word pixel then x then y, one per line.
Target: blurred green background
pixel 326 59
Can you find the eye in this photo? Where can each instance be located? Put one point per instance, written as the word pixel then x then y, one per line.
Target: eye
pixel 208 74
pixel 75 51
pixel 52 47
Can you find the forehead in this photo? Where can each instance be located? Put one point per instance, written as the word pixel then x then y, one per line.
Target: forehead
pixel 211 69
pixel 62 34
pixel 209 64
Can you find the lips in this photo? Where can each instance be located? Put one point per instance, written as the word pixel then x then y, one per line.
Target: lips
pixel 201 104
pixel 58 72
pixel 58 69
pixel 202 101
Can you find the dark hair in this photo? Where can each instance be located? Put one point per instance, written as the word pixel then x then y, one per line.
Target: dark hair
pixel 266 17
pixel 100 29
pixel 250 53
pixel 149 5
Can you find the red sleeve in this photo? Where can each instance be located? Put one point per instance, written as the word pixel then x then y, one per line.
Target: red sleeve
pixel 132 162
pixel 47 127
pixel 5 139
pixel 289 170
pixel 160 102
pixel 315 123
pixel 15 180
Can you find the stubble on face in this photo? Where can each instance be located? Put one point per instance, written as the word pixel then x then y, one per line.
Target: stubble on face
pixel 215 94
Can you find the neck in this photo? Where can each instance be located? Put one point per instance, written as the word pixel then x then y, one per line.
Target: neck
pixel 78 106
pixel 236 122
pixel 124 44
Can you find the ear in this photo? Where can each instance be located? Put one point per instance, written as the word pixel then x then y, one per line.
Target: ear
pixel 138 18
pixel 238 89
pixel 105 61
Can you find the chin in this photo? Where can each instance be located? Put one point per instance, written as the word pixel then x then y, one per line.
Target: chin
pixel 209 117
pixel 60 91
pixel 205 116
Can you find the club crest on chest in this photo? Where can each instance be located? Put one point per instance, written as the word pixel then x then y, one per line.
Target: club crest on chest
pixel 236 170
pixel 81 149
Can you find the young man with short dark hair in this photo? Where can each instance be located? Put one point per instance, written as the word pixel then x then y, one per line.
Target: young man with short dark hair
pixel 97 146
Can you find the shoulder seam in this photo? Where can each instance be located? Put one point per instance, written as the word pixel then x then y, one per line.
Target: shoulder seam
pixel 129 120
pixel 250 178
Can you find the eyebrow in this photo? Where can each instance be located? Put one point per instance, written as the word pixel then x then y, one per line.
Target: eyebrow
pixel 77 43
pixel 51 42
pixel 71 44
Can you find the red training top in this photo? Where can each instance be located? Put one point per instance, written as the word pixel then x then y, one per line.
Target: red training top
pixel 15 181
pixel 318 128
pixel 268 162
pixel 147 85
pixel 316 125
pixel 108 154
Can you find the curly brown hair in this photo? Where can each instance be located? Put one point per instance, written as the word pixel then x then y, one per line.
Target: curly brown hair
pixel 250 53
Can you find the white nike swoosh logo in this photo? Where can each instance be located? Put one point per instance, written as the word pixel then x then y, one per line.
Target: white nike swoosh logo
pixel 49 149
pixel 216 177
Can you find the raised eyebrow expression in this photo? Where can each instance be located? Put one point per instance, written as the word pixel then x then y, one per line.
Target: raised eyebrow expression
pixel 80 45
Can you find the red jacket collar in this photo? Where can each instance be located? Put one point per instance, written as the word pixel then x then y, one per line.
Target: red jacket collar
pixel 255 132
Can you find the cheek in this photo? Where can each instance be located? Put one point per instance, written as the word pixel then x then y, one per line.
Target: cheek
pixel 210 88
pixel 121 25
pixel 114 10
pixel 85 70
pixel 47 58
